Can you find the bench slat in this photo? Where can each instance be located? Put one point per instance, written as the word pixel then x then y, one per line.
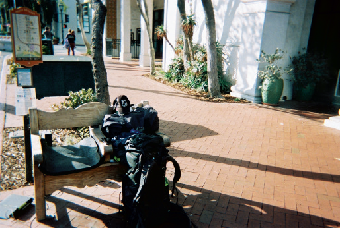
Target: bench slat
pixel 89 114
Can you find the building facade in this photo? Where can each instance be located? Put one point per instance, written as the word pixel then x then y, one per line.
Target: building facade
pixel 244 27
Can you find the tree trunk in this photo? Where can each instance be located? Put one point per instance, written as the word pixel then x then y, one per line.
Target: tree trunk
pixel 186 55
pixel 213 84
pixel 81 24
pixel 145 15
pixel 98 66
pixel 167 40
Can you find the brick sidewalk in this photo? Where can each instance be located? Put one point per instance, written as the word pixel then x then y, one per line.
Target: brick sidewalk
pixel 243 165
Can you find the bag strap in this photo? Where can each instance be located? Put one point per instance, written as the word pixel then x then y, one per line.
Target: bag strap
pixel 178 172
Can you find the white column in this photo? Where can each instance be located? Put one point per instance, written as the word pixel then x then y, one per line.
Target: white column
pixel 125 27
pixel 252 18
pixel 144 57
pixel 269 28
pixel 172 25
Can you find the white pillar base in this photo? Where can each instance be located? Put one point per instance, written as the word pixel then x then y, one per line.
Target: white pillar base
pixel 243 95
pixel 287 90
pixel 125 57
pixel 144 60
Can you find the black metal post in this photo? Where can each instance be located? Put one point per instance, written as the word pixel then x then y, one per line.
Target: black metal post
pixel 28 151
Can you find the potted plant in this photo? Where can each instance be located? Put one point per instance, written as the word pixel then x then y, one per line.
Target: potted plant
pixel 308 70
pixel 56 40
pixel 272 83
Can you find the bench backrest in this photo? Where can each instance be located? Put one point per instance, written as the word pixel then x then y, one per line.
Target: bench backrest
pixel 88 114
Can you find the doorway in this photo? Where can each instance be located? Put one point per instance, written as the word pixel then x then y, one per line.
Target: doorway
pixel 324 39
pixel 158 17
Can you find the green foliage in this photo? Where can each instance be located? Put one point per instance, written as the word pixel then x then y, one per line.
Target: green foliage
pixel 46 50
pixel 272 71
pixel 309 68
pixel 76 99
pixel 88 52
pixel 188 25
pixel 13 68
pixel 224 84
pixel 179 45
pixel 176 70
pixel 194 74
pixel 160 32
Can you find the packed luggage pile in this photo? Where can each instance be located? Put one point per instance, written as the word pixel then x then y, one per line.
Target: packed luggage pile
pixel 145 188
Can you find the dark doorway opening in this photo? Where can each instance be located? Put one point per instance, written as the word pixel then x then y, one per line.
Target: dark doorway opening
pixel 158 17
pixel 325 39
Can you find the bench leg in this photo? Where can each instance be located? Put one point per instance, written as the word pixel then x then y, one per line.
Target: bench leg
pixel 39 192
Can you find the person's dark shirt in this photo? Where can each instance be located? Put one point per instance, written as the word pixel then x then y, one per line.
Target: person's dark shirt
pixel 71 38
pixel 48 34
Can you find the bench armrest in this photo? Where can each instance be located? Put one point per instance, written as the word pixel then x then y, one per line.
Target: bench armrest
pixel 36 149
pixel 104 148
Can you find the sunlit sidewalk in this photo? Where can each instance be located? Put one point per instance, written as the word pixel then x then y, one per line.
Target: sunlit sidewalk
pixel 243 165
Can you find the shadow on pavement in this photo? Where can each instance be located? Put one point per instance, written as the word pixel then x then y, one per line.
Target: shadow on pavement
pixel 217 209
pixel 253 165
pixel 187 132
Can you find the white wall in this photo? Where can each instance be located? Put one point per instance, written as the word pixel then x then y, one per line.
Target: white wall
pixel 135 17
pixel 246 27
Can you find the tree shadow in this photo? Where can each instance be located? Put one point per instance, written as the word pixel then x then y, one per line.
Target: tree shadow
pixel 204 207
pixel 173 94
pixel 311 110
pixel 62 217
pixel 253 165
pixel 207 207
pixel 184 131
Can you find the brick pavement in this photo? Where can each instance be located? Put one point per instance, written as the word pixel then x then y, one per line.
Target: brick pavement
pixel 244 165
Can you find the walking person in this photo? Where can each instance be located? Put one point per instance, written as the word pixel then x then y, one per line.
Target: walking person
pixel 71 37
pixel 47 33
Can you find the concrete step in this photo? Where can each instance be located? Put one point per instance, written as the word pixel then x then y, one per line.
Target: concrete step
pixel 333 122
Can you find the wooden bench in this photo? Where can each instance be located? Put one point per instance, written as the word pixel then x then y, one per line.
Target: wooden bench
pixel 45 183
pixel 73 168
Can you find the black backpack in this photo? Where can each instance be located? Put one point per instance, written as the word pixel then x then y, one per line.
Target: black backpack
pixel 145 190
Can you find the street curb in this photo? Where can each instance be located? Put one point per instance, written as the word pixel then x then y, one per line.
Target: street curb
pixel 3 97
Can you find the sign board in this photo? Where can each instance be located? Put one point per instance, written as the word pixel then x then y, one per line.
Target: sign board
pixel 24 77
pixel 26 37
pixel 24 98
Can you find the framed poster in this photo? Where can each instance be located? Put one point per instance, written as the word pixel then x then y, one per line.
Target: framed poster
pixel 25 98
pixel 26 37
pixel 24 77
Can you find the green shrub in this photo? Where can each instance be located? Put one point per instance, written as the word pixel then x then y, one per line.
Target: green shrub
pixel 272 70
pixel 76 99
pixel 45 50
pixel 309 68
pixel 176 70
pixel 13 68
pixel 194 74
